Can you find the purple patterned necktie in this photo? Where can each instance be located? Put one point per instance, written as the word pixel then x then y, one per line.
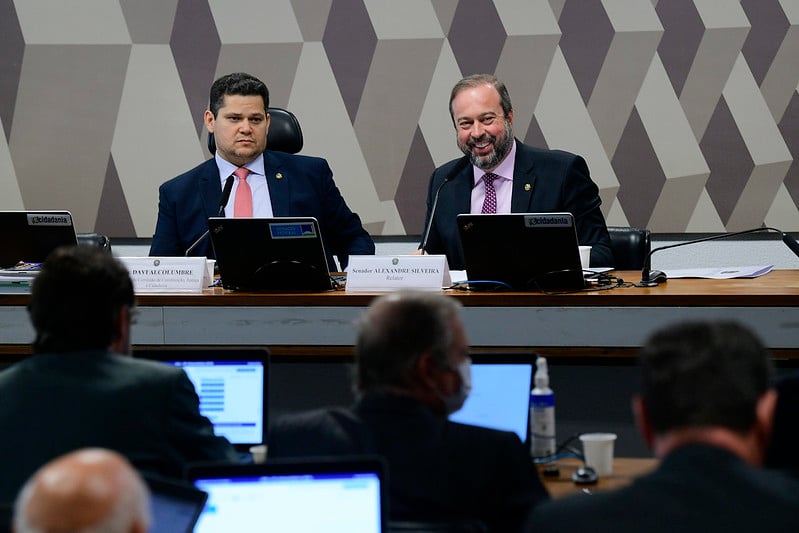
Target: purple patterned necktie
pixel 490 202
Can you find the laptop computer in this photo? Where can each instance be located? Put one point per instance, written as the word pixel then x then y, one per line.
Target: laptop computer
pixel 175 506
pixel 233 387
pixel 335 494
pixel 30 236
pixel 500 396
pixel 521 251
pixel 270 254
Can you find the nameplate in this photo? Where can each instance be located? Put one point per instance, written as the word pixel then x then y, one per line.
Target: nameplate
pixel 367 273
pixel 167 274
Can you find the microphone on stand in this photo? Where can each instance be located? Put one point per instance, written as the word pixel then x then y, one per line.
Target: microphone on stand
pixel 651 278
pixel 457 168
pixel 222 203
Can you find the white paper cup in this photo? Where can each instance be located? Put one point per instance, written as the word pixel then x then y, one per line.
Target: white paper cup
pixel 258 453
pixel 585 256
pixel 598 451
pixel 208 277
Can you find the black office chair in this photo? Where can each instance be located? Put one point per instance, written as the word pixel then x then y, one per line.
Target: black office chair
pixel 781 453
pixel 97 240
pixel 285 134
pixel 6 516
pixel 630 247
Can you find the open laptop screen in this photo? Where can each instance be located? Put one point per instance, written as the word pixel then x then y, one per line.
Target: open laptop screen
pixel 232 386
pixel 500 396
pixel 331 495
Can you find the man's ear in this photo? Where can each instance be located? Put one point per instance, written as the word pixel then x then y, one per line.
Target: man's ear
pixel 642 420
pixel 121 337
pixel 764 413
pixel 425 372
pixel 208 118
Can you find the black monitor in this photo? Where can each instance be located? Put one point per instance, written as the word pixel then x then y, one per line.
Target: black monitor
pixel 521 251
pixel 270 254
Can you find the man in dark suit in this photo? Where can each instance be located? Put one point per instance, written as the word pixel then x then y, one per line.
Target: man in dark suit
pixel 521 179
pixel 706 409
pixel 413 370
pixel 81 389
pixel 274 183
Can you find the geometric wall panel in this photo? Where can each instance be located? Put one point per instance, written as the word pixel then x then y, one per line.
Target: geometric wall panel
pixel 686 111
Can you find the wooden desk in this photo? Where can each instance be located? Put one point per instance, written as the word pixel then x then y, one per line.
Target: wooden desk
pixel 609 323
pixel 625 469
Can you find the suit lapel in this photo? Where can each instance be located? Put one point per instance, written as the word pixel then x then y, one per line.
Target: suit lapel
pixel 278 183
pixel 461 195
pixel 524 181
pixel 210 188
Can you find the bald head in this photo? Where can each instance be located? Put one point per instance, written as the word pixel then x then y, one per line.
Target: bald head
pixel 91 490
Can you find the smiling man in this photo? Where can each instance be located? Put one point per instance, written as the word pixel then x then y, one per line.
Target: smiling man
pixel 499 174
pixel 267 183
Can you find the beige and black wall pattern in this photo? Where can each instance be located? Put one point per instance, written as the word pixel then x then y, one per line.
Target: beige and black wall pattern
pixel 686 110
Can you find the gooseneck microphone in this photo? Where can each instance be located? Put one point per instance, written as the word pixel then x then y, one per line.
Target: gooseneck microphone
pixel 651 278
pixel 457 168
pixel 223 200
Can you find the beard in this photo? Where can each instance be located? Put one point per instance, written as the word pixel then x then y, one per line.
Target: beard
pixel 501 147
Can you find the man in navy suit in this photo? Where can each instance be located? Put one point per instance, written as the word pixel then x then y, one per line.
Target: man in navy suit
pixel 522 179
pixel 274 183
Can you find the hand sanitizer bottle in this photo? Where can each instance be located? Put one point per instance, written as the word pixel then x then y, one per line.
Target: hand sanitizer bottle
pixel 542 413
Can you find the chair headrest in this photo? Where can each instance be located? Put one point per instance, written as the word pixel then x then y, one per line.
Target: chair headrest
pixel 285 134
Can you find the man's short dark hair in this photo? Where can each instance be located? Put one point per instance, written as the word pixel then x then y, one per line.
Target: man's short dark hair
pixel 76 300
pixel 476 80
pixel 702 374
pixel 238 83
pixel 396 330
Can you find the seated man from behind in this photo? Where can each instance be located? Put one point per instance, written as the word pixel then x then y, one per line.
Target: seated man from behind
pixel 89 490
pixel 706 409
pixel 413 370
pixel 82 389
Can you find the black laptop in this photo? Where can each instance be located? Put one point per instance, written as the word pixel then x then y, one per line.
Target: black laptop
pixel 30 236
pixel 175 506
pixel 270 254
pixel 521 251
pixel 334 494
pixel 232 384
pixel 500 395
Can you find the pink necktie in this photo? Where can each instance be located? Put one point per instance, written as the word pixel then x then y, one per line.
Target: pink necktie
pixel 490 201
pixel 242 206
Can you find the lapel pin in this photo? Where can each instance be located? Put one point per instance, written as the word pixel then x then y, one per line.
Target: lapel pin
pixel 527 187
pixel 279 176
